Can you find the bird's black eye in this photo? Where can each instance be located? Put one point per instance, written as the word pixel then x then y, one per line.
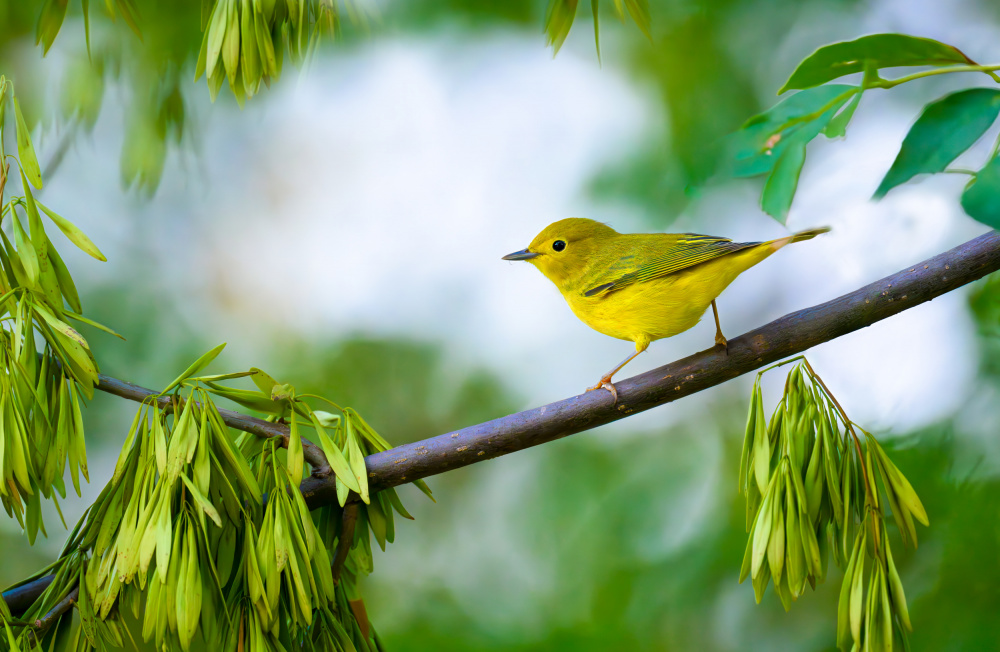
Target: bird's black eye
pixel 559 245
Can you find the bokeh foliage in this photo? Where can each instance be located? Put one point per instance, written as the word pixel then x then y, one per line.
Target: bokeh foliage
pixel 677 590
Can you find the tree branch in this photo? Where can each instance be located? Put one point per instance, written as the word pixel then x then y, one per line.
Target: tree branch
pixel 312 453
pixel 783 337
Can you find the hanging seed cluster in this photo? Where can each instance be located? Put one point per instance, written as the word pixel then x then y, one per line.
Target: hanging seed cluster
pixel 203 534
pixel 245 40
pixel 814 490
pixel 41 428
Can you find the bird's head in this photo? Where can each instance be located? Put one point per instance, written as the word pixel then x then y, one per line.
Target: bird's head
pixel 564 249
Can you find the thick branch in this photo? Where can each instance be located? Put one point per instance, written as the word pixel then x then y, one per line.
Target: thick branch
pixel 781 338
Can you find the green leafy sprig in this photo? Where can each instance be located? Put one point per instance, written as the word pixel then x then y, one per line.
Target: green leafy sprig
pixel 773 143
pixel 203 531
pixel 815 490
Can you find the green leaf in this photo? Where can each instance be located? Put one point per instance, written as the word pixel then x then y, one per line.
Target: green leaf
pixel 216 34
pixel 268 62
pixel 86 23
pixel 75 235
pixel 25 251
pixel 356 460
pixel 776 542
pixel 249 51
pixel 217 377
pixel 25 152
pixel 594 4
pixel 747 452
pixel 395 502
pixel 814 480
pixel 901 486
pixel 231 48
pixel 896 586
pixel 131 15
pixel 779 190
pixel 761 445
pixel 295 461
pixel 91 322
pixel 639 11
pixel 10 638
pixel 49 22
pixel 377 522
pixel 422 486
pixel 248 399
pixel 837 126
pixel 945 129
pixel 338 463
pixel 878 50
pixel 203 502
pixel 762 139
pixel 857 586
pixel 981 199
pixel 66 284
pixel 196 366
pixel 558 21
pixel 263 381
pixel 762 531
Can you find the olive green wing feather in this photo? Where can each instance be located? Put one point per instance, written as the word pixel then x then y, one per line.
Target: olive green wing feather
pixel 689 250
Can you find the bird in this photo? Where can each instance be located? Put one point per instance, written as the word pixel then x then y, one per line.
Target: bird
pixel 642 287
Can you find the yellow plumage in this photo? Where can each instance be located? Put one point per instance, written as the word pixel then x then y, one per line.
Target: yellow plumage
pixel 643 286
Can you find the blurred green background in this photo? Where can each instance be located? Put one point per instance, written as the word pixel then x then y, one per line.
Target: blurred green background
pixel 344 230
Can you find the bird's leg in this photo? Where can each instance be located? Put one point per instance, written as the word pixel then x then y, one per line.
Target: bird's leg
pixel 720 339
pixel 605 381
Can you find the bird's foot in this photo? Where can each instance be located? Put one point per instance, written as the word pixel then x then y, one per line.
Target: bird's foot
pixel 720 340
pixel 605 383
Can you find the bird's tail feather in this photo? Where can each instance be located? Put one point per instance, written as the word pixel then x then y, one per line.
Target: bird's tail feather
pixel 808 234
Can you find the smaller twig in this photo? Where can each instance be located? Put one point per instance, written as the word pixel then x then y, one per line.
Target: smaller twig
pixel 869 488
pixel 46 621
pixel 312 453
pixel 348 520
pixel 889 83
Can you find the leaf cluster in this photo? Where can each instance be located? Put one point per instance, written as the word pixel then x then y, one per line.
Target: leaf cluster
pixel 815 491
pixel 773 143
pixel 41 427
pixel 203 533
pixel 245 40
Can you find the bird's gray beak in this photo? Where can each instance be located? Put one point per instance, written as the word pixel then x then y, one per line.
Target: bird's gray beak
pixel 524 254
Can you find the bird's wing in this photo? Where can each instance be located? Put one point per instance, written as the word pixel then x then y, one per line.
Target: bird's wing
pixel 688 250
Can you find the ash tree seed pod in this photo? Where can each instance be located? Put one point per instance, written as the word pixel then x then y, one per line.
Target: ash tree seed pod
pixel 795 561
pixel 776 542
pixel 896 587
pixel 762 446
pixel 762 528
pixel 814 480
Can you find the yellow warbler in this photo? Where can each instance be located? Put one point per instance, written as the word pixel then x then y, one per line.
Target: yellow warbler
pixel 642 286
